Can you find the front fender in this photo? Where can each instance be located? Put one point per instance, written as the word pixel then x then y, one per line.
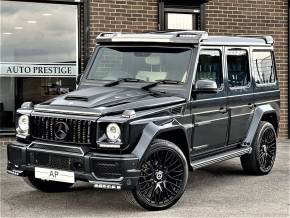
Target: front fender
pixel 260 111
pixel 149 133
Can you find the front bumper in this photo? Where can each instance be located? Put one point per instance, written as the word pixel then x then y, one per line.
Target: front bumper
pixel 103 170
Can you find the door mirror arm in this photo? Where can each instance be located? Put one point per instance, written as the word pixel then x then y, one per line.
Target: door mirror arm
pixel 79 78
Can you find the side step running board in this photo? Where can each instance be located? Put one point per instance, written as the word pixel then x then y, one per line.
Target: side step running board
pixel 220 157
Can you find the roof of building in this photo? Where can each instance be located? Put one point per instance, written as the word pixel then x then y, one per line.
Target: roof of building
pixel 185 37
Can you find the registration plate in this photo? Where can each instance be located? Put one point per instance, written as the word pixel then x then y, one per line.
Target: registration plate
pixel 54 175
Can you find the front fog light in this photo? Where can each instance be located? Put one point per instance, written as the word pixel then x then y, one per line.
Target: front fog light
pixel 113 132
pixel 23 124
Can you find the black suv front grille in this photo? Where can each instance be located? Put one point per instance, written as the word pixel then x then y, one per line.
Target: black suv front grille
pixel 45 128
pixel 106 169
pixel 55 161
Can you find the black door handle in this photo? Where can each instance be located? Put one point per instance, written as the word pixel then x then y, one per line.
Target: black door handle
pixel 223 110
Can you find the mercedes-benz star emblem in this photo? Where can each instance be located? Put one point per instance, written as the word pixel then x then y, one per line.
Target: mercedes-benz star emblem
pixel 61 130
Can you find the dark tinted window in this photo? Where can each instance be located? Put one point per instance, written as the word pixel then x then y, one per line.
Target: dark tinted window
pixel 263 67
pixel 210 66
pixel 238 67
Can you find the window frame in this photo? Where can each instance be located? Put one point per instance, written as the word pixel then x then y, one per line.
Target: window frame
pixel 183 7
pixel 181 12
pixel 220 49
pixel 274 64
pixel 247 49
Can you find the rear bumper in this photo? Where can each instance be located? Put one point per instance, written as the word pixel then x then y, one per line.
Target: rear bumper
pixel 103 170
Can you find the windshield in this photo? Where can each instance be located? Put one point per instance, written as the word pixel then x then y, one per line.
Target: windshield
pixel 148 64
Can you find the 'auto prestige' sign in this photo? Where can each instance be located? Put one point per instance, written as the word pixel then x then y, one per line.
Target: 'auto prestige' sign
pixel 38 69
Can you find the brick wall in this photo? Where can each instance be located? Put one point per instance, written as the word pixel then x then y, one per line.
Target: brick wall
pixel 122 15
pixel 228 17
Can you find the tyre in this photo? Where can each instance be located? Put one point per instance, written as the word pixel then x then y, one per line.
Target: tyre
pixel 262 158
pixel 47 186
pixel 163 177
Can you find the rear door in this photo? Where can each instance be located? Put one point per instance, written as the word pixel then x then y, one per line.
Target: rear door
pixel 240 92
pixel 210 117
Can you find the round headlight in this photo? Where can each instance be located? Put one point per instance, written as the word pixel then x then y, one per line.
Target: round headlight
pixel 113 132
pixel 23 123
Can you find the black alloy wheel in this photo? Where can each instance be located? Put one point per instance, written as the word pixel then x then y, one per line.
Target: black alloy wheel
pixel 262 158
pixel 163 177
pixel 267 149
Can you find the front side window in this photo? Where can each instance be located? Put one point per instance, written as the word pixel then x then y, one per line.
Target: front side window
pixel 148 64
pixel 210 66
pixel 238 67
pixel 263 67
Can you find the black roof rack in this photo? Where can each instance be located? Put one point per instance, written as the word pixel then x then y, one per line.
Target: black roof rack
pixel 185 37
pixel 161 37
pixel 268 39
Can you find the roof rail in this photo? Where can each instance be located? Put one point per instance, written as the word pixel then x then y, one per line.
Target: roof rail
pixel 108 34
pixel 174 37
pixel 202 34
pixel 268 39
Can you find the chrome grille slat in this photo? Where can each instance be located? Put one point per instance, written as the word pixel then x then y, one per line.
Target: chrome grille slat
pixel 42 129
pixel 84 131
pixel 46 122
pixel 79 130
pixel 74 130
pixel 89 131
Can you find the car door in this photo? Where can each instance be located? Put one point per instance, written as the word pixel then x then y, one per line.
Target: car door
pixel 240 92
pixel 210 116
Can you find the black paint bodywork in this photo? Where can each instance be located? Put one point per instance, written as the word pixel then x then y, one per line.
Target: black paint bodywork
pixel 201 124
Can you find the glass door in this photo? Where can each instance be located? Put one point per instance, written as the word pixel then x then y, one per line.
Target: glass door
pixel 39 54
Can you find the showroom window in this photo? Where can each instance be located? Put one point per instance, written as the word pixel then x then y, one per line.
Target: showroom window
pixel 39 54
pixel 180 15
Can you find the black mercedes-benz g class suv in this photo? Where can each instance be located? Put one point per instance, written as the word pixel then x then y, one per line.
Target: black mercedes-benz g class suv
pixel 149 108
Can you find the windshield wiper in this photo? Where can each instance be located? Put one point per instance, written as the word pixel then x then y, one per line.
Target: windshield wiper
pixel 162 81
pixel 116 82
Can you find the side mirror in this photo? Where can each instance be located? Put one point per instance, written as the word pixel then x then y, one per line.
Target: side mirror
pixel 205 86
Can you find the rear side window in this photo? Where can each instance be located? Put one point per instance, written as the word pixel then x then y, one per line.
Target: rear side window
pixel 210 66
pixel 263 67
pixel 238 67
